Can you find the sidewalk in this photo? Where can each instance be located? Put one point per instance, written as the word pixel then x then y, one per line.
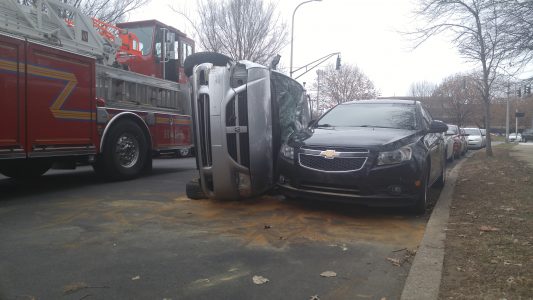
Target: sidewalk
pixel 481 248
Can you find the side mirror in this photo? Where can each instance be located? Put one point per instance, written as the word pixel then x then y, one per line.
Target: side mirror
pixel 438 127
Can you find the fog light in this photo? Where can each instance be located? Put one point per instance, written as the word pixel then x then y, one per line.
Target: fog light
pixel 395 189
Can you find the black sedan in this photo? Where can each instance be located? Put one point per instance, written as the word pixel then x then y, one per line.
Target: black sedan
pixel 372 152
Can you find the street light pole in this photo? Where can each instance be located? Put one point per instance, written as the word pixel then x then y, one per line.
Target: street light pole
pixel 292 28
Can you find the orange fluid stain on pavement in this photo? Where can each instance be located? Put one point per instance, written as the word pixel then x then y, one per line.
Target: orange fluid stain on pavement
pixel 262 222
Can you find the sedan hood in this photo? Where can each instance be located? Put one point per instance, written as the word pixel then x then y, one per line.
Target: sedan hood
pixel 368 137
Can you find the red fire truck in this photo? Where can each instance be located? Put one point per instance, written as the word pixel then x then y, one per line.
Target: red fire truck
pixel 76 90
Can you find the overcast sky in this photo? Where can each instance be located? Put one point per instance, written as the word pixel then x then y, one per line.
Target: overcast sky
pixel 366 32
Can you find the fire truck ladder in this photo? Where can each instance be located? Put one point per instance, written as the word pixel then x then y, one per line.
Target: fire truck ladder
pixel 56 23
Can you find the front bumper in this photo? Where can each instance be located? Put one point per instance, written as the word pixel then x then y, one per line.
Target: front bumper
pixel 475 144
pixel 393 185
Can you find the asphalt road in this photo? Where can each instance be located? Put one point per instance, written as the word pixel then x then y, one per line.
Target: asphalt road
pixel 71 236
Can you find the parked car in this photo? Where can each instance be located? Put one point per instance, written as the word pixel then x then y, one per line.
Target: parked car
pixel 475 139
pixel 453 135
pixel 515 137
pixel 449 145
pixel 464 140
pixel 372 152
pixel 527 135
pixel 483 137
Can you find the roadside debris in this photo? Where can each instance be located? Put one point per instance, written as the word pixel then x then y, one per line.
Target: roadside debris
pixel 268 226
pixel 342 246
pixel 259 279
pixel 328 274
pixel 74 287
pixel 77 286
pixel 400 261
pixel 136 277
pixel 394 261
pixel 314 297
pixel 487 228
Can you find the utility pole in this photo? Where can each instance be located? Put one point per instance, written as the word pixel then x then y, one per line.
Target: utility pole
pixel 507 113
pixel 516 123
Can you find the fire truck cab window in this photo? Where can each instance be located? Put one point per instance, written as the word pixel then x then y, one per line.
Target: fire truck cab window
pixel 145 35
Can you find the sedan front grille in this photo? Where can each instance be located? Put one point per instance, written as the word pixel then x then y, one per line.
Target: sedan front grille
pixel 337 164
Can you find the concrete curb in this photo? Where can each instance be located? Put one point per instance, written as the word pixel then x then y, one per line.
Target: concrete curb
pixel 424 277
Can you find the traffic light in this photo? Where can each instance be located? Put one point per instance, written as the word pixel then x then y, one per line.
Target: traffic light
pixel 519 92
pixel 338 65
pixel 527 90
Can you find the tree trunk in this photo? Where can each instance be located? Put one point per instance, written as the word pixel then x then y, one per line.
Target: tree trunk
pixel 488 147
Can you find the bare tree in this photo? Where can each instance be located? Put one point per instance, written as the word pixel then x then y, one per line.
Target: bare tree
pixel 518 16
pixel 480 34
pixel 422 89
pixel 241 29
pixel 347 84
pixel 459 99
pixel 112 11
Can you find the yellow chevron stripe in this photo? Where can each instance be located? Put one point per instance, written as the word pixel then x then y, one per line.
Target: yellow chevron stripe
pixel 55 108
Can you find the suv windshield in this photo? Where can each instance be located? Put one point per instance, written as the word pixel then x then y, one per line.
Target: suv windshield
pixel 380 115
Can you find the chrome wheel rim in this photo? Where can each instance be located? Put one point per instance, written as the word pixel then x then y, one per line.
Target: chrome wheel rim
pixel 127 150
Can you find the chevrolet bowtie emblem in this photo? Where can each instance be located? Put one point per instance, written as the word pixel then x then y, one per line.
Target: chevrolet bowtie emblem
pixel 329 154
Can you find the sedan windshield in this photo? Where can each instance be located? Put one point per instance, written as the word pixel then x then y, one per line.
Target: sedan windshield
pixel 384 115
pixel 472 131
pixel 452 129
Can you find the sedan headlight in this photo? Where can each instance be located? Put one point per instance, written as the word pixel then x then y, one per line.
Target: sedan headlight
pixel 394 157
pixel 287 152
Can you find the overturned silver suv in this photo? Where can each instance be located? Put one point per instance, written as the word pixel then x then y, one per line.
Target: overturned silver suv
pixel 242 113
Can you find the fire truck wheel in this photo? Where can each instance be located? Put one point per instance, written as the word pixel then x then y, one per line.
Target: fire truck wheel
pixel 195 59
pixel 125 152
pixel 25 169
pixel 194 190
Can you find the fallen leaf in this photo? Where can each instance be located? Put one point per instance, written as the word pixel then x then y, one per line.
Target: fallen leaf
pixel 268 226
pixel 394 261
pixel 259 279
pixel 136 277
pixel 328 274
pixel 487 228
